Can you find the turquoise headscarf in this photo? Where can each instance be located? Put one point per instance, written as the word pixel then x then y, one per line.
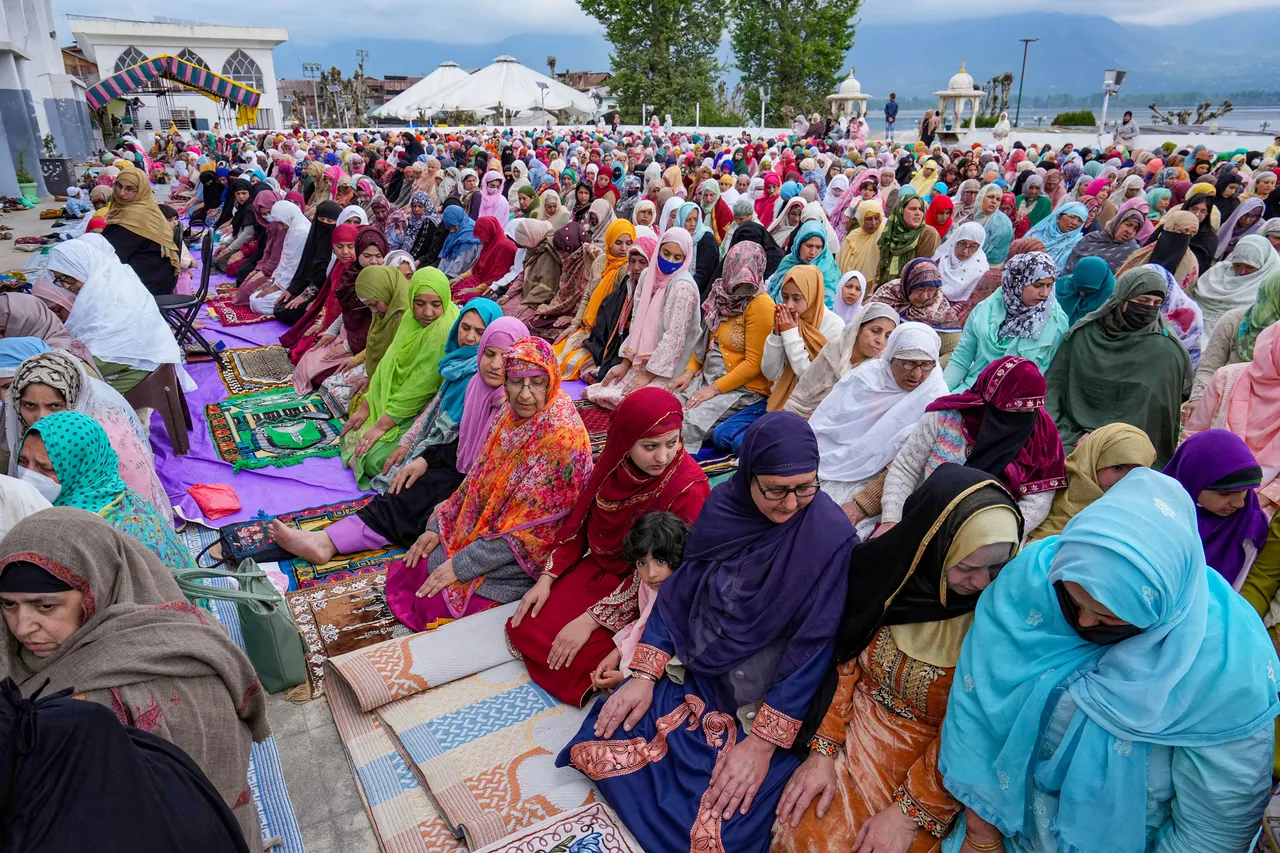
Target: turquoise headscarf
pixel 460 363
pixel 1059 243
pixel 1086 288
pixel 1153 198
pixel 14 351
pixel 1202 671
pixel 684 212
pixel 825 261
pixel 83 459
pixel 998 230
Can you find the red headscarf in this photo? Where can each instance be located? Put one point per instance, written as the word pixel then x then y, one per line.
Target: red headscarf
pixel 764 204
pixel 297 338
pixel 1004 420
pixel 618 491
pixel 940 203
pixel 497 256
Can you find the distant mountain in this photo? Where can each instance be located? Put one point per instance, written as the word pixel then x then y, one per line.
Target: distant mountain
pixel 1070 58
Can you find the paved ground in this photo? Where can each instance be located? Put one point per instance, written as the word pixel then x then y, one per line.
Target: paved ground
pixel 318 774
pixel 26 223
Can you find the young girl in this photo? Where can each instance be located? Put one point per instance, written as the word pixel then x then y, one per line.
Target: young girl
pixel 655 544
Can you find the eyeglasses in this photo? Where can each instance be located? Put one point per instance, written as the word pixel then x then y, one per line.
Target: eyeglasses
pixel 537 383
pixel 925 367
pixel 64 281
pixel 778 493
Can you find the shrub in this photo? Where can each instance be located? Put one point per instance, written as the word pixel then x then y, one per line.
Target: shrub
pixel 987 121
pixel 23 176
pixel 1079 118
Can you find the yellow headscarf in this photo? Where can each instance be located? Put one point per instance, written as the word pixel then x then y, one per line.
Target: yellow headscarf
pixel 609 276
pixel 861 251
pixel 809 280
pixel 142 215
pixel 1113 444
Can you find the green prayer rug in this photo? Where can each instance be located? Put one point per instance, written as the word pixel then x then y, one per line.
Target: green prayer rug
pixel 274 428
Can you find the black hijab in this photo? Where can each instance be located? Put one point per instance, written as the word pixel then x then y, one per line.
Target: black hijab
pixel 754 232
pixel 1204 243
pixel 904 567
pixel 244 217
pixel 1170 248
pixel 231 210
pixel 210 190
pixel 906 166
pixel 67 765
pixel 315 253
pixel 1227 206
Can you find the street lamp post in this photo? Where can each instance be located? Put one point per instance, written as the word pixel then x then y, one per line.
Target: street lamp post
pixel 1111 83
pixel 312 70
pixel 1026 43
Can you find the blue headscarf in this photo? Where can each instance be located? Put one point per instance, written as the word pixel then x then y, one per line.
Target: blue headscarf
pixel 1086 288
pixel 1059 243
pixel 1202 671
pixel 683 212
pixel 998 231
pixel 825 262
pixel 14 351
pixel 789 191
pixel 462 239
pixel 460 363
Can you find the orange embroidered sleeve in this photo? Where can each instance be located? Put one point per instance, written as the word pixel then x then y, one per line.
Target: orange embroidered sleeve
pixel 923 797
pixel 833 724
pixel 650 660
pixel 775 727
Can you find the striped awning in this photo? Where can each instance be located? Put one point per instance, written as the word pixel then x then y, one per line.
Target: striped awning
pixel 170 67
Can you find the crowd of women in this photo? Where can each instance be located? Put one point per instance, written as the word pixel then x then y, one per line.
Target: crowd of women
pixel 996 566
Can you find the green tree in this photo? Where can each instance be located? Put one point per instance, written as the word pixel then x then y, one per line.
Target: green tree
pixel 795 47
pixel 663 55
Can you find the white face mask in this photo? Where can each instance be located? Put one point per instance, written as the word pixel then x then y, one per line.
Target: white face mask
pixel 46 487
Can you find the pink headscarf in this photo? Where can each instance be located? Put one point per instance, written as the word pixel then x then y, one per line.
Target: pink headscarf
pixel 1139 203
pixel 481 403
pixel 494 202
pixel 653 287
pixel 1253 409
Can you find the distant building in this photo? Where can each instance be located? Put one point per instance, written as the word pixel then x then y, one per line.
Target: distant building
pixel 595 84
pixel 240 53
pixel 37 95
pixel 382 90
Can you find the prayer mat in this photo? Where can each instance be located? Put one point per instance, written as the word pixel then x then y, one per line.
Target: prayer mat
pixel 274 428
pixel 228 314
pixel 593 827
pixel 266 776
pixel 596 419
pixel 340 617
pixel 449 739
pixel 303 574
pixel 256 369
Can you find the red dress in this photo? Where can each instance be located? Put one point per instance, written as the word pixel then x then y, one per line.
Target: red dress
pixel 591 575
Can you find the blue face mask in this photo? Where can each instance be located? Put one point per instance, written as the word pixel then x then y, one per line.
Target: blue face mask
pixel 667 267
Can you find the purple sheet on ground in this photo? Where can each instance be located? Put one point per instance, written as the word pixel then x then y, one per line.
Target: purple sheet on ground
pixel 272 490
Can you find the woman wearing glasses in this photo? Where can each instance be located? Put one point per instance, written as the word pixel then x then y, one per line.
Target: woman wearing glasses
pixel 870 780
pixel 998 426
pixel 698 760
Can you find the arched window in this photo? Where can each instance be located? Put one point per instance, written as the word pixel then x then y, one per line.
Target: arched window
pixel 241 68
pixel 131 57
pixel 189 55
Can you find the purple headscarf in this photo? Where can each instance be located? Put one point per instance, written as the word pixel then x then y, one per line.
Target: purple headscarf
pixel 481 402
pixel 753 600
pixel 1229 233
pixel 1204 460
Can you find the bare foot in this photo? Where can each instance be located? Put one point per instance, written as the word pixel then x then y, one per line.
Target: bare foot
pixel 314 546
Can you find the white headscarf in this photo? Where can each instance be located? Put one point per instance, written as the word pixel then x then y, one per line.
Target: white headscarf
pixel 114 315
pixel 865 420
pixel 17 501
pixel 843 310
pixel 668 209
pixel 295 239
pixel 960 277
pixel 1219 289
pixel 831 199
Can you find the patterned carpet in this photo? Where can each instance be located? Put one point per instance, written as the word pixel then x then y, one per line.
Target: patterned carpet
pixel 274 428
pixel 222 310
pixel 252 369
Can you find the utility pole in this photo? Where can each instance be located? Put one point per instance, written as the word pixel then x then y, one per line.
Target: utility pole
pixel 361 106
pixel 1026 43
pixel 312 70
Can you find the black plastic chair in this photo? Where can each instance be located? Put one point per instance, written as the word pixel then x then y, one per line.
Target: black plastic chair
pixel 182 311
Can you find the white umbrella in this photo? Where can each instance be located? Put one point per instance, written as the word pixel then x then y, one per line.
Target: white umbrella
pixel 413 100
pixel 506 84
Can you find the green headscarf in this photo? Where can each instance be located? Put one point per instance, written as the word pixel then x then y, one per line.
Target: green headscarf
pixel 1107 372
pixel 898 242
pixel 531 212
pixel 382 284
pixel 1264 311
pixel 410 371
pixel 82 457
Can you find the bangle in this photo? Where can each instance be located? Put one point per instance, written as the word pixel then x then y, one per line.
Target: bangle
pixel 646 676
pixel 822 746
pixel 985 848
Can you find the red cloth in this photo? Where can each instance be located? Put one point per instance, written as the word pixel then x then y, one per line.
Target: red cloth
pixel 723 219
pixel 614 497
pixel 1012 384
pixel 940 203
pixel 766 202
pixel 296 340
pixel 497 256
pixel 215 499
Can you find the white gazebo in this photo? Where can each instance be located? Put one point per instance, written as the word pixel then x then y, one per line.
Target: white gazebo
pixel 960 93
pixel 408 104
pixel 509 86
pixel 849 99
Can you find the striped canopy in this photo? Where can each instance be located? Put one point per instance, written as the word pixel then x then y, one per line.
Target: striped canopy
pixel 179 70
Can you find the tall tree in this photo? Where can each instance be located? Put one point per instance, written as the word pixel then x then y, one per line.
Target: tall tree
pixel 796 47
pixel 663 54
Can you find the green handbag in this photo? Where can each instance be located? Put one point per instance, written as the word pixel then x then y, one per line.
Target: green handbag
pixel 271 638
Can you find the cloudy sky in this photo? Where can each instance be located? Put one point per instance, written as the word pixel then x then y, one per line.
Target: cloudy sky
pixel 327 20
